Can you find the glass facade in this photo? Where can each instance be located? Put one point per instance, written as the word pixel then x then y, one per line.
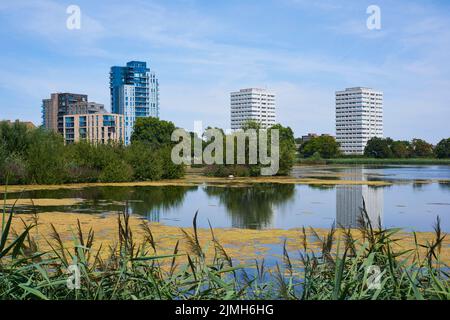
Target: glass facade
pixel 134 93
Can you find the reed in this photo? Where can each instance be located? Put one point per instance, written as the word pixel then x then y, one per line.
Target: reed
pixel 340 269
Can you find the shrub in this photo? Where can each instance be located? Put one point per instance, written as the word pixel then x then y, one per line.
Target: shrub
pixel 145 162
pixel 13 170
pixel 46 162
pixel 82 173
pixel 116 171
pixel 170 169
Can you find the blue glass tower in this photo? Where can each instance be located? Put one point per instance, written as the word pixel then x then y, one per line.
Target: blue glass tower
pixel 134 93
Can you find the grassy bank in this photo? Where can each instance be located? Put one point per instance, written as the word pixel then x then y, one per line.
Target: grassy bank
pixel 337 267
pixel 412 161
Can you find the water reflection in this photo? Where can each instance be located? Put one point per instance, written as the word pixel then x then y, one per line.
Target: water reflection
pixel 252 208
pixel 410 205
pixel 349 201
pixel 144 201
pixel 444 185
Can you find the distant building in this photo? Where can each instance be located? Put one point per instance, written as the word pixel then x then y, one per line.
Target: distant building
pixel 55 108
pixel 97 128
pixel 252 104
pixel 85 107
pixel 28 124
pixel 359 117
pixel 134 93
pixel 308 137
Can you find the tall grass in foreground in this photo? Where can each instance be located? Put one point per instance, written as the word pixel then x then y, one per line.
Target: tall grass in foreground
pixel 131 270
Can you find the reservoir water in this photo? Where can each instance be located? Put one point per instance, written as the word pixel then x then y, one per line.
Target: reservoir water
pixel 413 200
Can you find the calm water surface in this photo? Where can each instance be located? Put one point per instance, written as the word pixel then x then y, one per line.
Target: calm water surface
pixel 408 203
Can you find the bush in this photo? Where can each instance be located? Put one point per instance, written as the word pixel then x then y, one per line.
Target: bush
pixel 82 173
pixel 46 163
pixel 13 170
pixel 170 169
pixel 145 162
pixel 116 171
pixel 221 170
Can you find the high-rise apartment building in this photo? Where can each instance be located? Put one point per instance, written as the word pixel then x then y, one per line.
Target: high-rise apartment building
pixel 55 108
pixel 252 104
pixel 359 117
pixel 134 93
pixel 96 128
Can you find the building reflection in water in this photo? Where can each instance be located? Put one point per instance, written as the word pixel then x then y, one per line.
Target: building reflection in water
pixel 349 201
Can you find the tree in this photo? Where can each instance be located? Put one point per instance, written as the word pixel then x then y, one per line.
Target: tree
pixel 117 171
pixel 146 163
pixel 326 146
pixel 170 169
pixel 45 155
pixel 287 148
pixel 378 148
pixel 15 137
pixel 286 153
pixel 421 148
pixel 156 133
pixel 442 149
pixel 401 149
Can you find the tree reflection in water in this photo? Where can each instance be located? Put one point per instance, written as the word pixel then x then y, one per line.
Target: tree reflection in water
pixel 252 207
pixel 148 201
pixel 144 201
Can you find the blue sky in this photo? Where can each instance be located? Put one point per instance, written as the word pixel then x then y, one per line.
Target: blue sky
pixel 304 50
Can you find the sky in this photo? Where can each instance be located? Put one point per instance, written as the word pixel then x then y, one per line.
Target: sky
pixel 303 50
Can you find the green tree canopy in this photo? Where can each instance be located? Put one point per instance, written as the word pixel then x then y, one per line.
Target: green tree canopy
pixel 326 146
pixel 401 149
pixel 153 131
pixel 421 148
pixel 287 149
pixel 442 149
pixel 378 148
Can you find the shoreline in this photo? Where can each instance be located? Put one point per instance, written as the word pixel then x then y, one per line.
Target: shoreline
pixel 196 180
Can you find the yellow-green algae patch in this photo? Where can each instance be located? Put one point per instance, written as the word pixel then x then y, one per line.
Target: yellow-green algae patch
pixel 243 245
pixel 193 180
pixel 43 202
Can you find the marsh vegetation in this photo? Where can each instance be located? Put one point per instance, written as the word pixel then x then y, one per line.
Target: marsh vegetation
pixel 335 268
